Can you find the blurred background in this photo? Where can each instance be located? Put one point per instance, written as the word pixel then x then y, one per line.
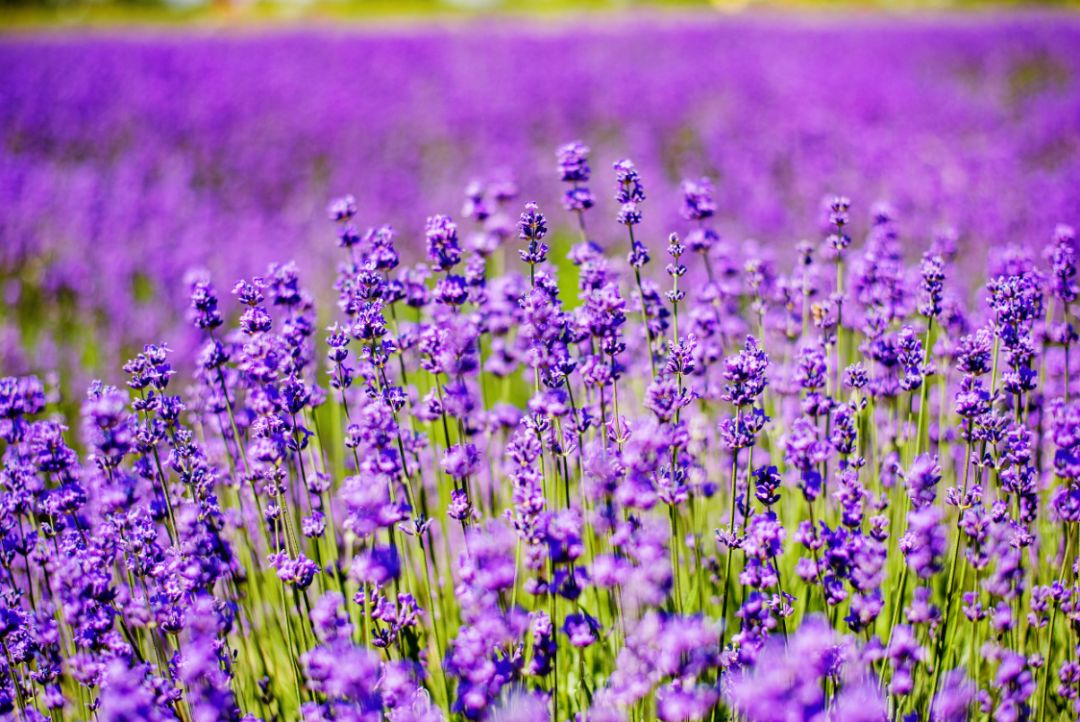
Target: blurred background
pixel 36 12
pixel 144 141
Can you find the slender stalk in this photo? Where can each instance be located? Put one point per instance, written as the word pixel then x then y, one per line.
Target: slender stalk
pixel 1048 667
pixel 731 522
pixel 938 661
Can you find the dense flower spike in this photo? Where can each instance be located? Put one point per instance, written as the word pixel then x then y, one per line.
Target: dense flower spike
pixel 486 494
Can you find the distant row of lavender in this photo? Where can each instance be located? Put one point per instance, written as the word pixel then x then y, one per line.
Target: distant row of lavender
pixel 127 159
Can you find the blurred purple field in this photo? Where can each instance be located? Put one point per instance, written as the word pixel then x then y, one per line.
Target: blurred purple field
pixel 128 159
pixel 716 370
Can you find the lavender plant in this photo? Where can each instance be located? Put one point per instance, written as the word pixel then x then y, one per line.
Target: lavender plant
pixel 532 477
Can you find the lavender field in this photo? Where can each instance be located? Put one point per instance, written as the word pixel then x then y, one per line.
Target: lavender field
pixel 679 368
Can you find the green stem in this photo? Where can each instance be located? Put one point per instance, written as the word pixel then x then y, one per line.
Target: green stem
pixel 1049 665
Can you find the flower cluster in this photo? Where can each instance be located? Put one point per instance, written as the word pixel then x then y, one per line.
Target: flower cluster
pixel 522 481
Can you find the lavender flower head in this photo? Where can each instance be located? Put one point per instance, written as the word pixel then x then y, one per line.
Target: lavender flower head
pixel 443 248
pixel 574 162
pixel 533 228
pixel 697 199
pixel 628 183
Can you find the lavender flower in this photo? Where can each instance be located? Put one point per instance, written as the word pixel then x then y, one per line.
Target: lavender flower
pixel 443 248
pixel 698 204
pixel 628 183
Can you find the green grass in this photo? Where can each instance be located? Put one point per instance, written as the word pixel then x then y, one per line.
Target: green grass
pixel 38 15
pixel 270 13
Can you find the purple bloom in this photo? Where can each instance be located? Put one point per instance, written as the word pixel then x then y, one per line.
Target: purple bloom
pixel 697 196
pixel 581 628
pixel 204 306
pixel 745 374
pixel 953 702
pixel 532 225
pixel 1063 264
pixel 924 543
pixel 786 684
pixel 489 564
pixel 1016 685
pixel 443 248
pixel 931 287
pixel 343 671
pixel 533 228
pixel 904 653
pixel 1065 430
pixel 299 572
pixel 922 480
pixel 628 183
pixel 461 460
pixel 767 485
pixel 573 162
pixel 341 209
pixel 629 214
pixel 378 565
pixel 837 210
